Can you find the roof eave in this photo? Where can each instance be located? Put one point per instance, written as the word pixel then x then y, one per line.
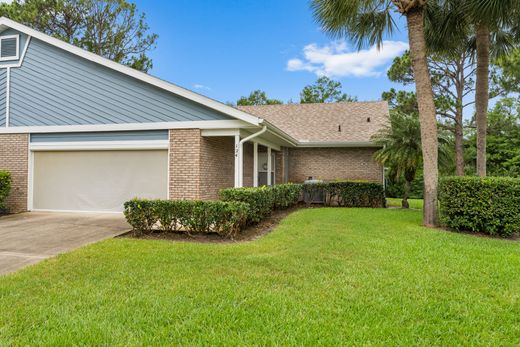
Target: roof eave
pixel 172 88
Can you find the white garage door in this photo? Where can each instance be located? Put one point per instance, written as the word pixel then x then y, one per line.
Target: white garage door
pixel 97 180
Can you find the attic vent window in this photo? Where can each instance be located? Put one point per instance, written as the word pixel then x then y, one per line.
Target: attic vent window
pixel 9 47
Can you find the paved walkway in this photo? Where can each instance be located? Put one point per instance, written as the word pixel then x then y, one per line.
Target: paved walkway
pixel 28 238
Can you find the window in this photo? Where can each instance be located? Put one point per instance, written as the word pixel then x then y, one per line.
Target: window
pixel 9 47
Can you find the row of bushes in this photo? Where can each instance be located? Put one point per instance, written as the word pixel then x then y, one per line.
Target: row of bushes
pixel 346 193
pixel 5 188
pixel 238 208
pixel 263 200
pixel 223 218
pixel 490 205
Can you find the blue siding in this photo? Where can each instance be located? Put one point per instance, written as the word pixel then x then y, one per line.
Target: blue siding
pixel 102 136
pixel 54 87
pixel 21 45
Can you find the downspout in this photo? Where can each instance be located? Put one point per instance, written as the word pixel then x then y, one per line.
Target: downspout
pixel 241 154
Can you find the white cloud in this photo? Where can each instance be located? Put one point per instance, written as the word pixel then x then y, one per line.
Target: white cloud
pixel 339 60
pixel 7 1
pixel 201 86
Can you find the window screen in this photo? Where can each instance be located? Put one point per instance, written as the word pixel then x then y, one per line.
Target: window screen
pixel 8 47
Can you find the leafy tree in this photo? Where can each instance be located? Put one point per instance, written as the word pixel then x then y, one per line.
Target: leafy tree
pixel 257 97
pixel 452 76
pixel 491 19
pixel 324 90
pixel 114 29
pixel 509 78
pixel 401 148
pixel 366 21
pixel 503 139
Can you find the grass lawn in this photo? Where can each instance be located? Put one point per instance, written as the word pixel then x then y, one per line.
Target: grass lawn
pixel 396 202
pixel 323 277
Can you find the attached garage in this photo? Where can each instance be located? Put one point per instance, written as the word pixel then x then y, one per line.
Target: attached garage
pixel 96 180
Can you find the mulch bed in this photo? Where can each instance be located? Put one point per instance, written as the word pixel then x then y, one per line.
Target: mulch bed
pixel 251 233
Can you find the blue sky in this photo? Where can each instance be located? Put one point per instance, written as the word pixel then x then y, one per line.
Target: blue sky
pixel 227 48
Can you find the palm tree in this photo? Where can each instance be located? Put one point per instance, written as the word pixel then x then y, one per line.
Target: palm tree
pixel 401 151
pixel 365 21
pixel 401 148
pixel 487 17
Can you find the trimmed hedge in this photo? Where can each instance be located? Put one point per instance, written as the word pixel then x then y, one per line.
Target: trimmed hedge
pixel 260 201
pixel 348 193
pixel 263 200
pixel 490 205
pixel 5 188
pixel 286 195
pixel 223 218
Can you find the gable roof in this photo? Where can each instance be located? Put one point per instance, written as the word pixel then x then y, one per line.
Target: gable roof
pixel 321 123
pixel 170 87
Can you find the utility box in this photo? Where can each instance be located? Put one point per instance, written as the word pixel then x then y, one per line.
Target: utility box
pixel 313 196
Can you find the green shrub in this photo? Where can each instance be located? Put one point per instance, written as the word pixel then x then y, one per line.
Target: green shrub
pixel 141 214
pixel 5 188
pixel 286 195
pixel 490 205
pixel 224 218
pixel 347 193
pixel 260 201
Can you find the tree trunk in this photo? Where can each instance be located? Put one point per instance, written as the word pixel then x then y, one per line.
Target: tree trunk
pixel 459 116
pixel 459 144
pixel 406 194
pixel 482 96
pixel 429 140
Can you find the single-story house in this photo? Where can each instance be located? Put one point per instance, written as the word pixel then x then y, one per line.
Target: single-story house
pixel 79 132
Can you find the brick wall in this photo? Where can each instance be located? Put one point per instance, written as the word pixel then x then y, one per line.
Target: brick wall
pixel 185 160
pixel 333 164
pixel 14 158
pixel 200 166
pixel 217 165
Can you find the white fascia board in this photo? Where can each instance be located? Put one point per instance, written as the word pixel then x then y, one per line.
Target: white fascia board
pixel 305 144
pixel 210 124
pixel 99 145
pixel 188 94
pixel 220 132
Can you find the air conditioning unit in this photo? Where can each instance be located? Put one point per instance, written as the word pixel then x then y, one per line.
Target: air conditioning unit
pixel 313 196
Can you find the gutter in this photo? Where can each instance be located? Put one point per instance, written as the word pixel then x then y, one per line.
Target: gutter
pixel 241 154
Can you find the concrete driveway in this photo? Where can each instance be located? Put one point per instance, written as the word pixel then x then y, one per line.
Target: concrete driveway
pixel 28 238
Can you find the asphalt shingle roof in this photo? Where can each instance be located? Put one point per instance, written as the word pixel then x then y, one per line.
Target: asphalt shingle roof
pixel 322 122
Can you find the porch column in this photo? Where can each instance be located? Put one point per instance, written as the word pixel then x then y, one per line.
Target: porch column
pixel 269 164
pixel 238 162
pixel 255 164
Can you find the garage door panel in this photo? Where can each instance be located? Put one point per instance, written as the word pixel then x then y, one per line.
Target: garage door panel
pixel 97 180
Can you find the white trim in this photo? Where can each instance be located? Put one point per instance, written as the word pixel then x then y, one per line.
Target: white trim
pixel 255 164
pixel 20 61
pixel 75 211
pixel 209 124
pixel 237 161
pixel 169 166
pixel 309 144
pixel 12 57
pixel 99 145
pixel 30 179
pixel 241 154
pixel 7 96
pixel 269 166
pixel 213 104
pixel 220 132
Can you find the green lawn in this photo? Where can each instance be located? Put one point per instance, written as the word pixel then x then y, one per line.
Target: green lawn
pixel 323 277
pixel 396 202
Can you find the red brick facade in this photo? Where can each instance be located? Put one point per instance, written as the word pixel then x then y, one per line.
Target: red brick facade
pixel 14 157
pixel 334 164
